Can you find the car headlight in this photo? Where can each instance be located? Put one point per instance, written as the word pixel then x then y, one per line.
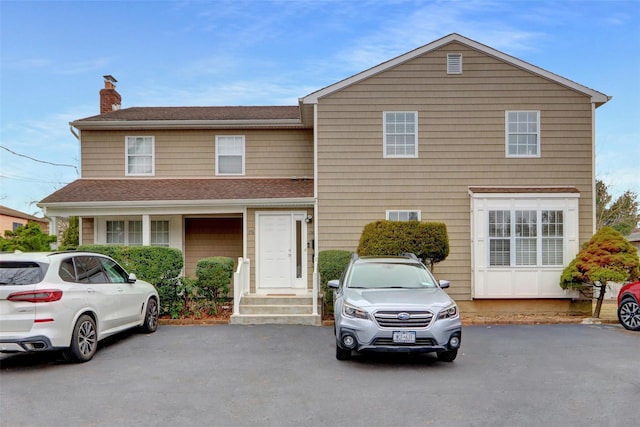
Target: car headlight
pixel 352 311
pixel 449 312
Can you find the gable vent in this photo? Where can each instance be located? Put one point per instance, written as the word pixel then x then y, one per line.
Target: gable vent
pixel 454 63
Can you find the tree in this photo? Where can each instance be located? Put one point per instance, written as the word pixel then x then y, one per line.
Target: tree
pixel 26 238
pixel 623 214
pixel 71 235
pixel 607 257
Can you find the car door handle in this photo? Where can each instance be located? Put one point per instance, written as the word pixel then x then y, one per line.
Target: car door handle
pixel 91 290
pixel 120 290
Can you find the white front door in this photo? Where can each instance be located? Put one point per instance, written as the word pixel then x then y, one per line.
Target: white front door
pixel 281 251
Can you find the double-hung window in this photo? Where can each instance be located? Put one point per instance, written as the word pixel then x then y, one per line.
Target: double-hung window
pixel 522 133
pixel 140 153
pixel 230 155
pixel 521 238
pixel 130 233
pixel 159 233
pixel 400 134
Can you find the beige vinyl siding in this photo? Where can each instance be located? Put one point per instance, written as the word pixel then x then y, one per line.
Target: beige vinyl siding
pixel 208 237
pixel 87 231
pixel 191 153
pixel 461 144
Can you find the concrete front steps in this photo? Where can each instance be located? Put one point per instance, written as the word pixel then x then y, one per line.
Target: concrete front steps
pixel 276 309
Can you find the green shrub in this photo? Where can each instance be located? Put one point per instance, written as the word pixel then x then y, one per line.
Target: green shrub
pixel 157 265
pixel 331 264
pixel 427 240
pixel 214 274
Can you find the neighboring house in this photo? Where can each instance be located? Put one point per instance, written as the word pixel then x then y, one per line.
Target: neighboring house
pixel 10 219
pixel 634 238
pixel 499 150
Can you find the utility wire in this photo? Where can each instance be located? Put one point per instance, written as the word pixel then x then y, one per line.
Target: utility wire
pixel 40 161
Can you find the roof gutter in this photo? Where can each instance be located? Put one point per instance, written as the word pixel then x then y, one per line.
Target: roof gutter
pixel 166 207
pixel 185 124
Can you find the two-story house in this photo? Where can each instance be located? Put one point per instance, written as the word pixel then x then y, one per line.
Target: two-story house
pixel 498 149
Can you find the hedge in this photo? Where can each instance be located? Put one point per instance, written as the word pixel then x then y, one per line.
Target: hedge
pixel 427 240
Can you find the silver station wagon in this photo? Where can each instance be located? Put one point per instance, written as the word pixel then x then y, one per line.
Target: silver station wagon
pixel 394 304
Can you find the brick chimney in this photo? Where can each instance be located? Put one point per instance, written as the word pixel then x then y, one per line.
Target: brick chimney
pixel 110 99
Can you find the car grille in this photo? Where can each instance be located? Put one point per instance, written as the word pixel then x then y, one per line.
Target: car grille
pixel 389 342
pixel 417 319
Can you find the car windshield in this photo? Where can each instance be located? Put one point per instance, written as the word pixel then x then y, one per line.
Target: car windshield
pixel 389 275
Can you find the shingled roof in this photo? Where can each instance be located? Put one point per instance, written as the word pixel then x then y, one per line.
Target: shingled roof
pixel 132 190
pixel 250 113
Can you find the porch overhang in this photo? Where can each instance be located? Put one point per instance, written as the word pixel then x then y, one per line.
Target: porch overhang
pixel 182 207
pixel 91 197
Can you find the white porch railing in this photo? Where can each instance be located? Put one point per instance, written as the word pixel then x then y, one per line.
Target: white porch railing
pixel 240 282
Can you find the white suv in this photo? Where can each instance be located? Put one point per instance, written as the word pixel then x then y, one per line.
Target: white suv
pixel 70 301
pixel 394 304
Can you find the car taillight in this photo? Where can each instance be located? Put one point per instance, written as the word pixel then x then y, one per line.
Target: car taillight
pixel 44 295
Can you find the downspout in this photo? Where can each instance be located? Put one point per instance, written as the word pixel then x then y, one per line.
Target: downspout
pixel 593 169
pixel 316 246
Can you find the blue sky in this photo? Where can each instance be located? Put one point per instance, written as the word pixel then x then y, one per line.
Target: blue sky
pixel 53 55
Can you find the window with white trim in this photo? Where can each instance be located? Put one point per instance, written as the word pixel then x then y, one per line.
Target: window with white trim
pixel 454 63
pixel 115 233
pixel 130 233
pixel 499 238
pixel 516 240
pixel 230 155
pixel 400 134
pixel 140 155
pixel 159 233
pixel 403 215
pixel 522 133
pixel 552 237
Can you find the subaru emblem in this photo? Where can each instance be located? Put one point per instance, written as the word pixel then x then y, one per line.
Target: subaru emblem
pixel 404 316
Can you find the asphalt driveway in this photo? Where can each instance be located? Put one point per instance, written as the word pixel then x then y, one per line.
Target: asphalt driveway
pixel 232 375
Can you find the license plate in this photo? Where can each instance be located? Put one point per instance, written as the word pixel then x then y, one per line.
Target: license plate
pixel 404 337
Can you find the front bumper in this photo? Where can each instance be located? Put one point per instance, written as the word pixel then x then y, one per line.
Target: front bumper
pixel 366 336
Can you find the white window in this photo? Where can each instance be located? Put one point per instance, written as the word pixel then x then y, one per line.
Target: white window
pixel 134 233
pixel 499 238
pixel 522 133
pixel 515 240
pixel 115 233
pixel 230 155
pixel 400 134
pixel 454 63
pixel 130 233
pixel 159 233
pixel 140 153
pixel 403 215
pixel 552 236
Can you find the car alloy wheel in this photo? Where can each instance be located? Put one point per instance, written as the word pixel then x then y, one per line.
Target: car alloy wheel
pixel 629 314
pixel 84 342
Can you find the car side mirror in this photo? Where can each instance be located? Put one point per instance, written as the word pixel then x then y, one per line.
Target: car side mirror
pixel 444 283
pixel 334 284
pixel 132 278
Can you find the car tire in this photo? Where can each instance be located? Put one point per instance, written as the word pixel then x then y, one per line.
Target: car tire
pixel 447 356
pixel 84 340
pixel 150 324
pixel 629 314
pixel 342 354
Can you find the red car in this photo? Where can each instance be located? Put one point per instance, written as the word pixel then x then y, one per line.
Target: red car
pixel 628 306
